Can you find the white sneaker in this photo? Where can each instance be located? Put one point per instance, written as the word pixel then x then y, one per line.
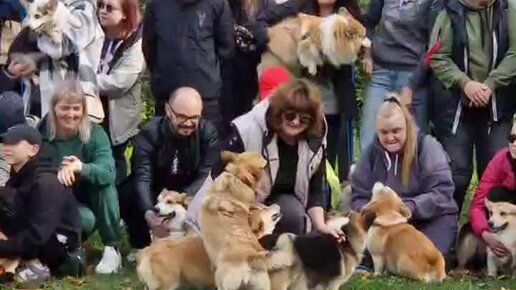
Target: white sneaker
pixel 111 261
pixel 32 271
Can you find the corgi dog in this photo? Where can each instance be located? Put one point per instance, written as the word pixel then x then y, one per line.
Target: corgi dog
pixel 394 244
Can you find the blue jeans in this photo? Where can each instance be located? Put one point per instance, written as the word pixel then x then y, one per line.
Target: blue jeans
pixel 385 81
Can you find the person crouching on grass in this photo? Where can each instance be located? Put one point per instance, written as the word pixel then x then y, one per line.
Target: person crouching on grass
pixel 82 151
pixel 38 215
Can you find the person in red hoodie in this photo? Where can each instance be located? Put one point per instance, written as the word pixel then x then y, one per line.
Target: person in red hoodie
pixel 500 174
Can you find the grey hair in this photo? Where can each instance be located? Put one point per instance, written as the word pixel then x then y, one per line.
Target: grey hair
pixel 69 91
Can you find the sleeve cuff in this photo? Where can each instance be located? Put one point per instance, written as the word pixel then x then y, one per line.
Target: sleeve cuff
pixel 463 81
pixel 490 83
pixel 86 170
pixel 411 206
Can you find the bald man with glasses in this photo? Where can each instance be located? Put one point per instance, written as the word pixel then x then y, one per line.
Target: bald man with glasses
pixel 175 152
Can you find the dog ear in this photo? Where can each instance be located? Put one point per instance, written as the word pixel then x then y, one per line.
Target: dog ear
pixel 227 208
pixel 228 157
pixel 185 199
pixel 256 225
pixel 51 5
pixel 368 214
pixel 368 218
pixel 247 177
pixel 405 211
pixel 390 219
pixel 344 12
pixel 351 31
pixel 488 203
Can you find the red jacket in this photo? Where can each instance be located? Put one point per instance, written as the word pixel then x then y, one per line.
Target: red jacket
pixel 498 173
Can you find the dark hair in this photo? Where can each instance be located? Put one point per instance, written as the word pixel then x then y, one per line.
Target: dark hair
pixel 301 96
pixel 133 16
pixel 350 5
pixel 501 194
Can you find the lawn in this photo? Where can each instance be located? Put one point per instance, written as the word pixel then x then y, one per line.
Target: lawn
pixel 127 280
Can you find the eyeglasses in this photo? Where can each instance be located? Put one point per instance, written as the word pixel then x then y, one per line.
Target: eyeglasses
pixel 512 138
pixel 109 8
pixel 182 118
pixel 291 115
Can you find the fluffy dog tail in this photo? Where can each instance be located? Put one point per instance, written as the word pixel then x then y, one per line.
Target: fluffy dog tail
pixel 436 271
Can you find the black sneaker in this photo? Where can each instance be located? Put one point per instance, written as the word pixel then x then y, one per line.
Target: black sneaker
pixel 5 277
pixel 74 266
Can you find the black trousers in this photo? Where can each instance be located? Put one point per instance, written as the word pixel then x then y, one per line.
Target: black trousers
pixel 293 214
pixel 120 162
pixel 340 144
pixel 134 218
pixel 53 253
pixel 118 150
pixel 474 135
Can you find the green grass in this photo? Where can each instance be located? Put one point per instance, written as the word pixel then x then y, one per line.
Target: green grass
pixel 127 280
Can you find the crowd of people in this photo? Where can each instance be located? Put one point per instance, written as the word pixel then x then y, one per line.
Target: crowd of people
pixel 442 77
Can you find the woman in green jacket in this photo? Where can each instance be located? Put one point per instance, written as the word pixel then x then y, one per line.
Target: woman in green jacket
pixel 83 152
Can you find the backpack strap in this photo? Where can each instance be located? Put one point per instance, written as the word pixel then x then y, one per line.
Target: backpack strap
pixel 501 12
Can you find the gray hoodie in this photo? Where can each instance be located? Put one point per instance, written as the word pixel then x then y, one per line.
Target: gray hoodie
pixel 430 191
pixel 403 30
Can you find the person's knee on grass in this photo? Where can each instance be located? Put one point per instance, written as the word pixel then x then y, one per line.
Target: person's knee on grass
pixel 38 215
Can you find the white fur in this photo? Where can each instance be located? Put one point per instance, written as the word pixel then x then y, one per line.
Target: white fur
pixel 377 188
pixel 328 41
pixel 338 223
pixel 508 238
pixel 177 222
pixel 309 57
pixel 41 20
pixel 366 42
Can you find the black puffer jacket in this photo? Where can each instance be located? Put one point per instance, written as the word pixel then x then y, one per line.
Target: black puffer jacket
pixel 185 43
pixel 34 206
pixel 161 159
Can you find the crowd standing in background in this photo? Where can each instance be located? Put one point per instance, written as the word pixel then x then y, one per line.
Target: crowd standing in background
pixel 71 112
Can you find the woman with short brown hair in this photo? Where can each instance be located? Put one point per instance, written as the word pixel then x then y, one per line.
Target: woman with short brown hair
pixel 288 129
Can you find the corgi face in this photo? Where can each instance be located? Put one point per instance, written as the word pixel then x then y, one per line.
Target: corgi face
pixel 501 215
pixel 172 206
pixel 263 219
pixel 385 207
pixel 342 37
pixel 248 166
pixel 39 14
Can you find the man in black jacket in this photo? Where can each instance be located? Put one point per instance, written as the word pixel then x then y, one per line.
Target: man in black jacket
pixel 175 152
pixel 188 43
pixel 39 216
